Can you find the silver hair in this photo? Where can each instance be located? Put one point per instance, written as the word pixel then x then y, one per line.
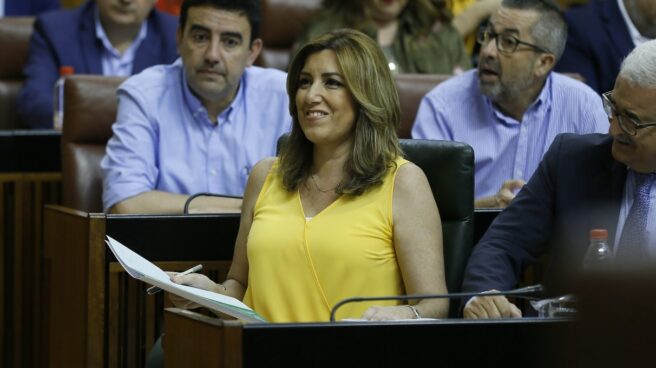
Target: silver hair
pixel 639 67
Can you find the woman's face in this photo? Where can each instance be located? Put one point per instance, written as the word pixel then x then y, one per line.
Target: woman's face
pixel 325 107
pixel 385 10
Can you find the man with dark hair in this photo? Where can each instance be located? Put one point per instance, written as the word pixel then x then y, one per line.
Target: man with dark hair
pixel 584 182
pixel 105 37
pixel 601 34
pixel 200 124
pixel 513 106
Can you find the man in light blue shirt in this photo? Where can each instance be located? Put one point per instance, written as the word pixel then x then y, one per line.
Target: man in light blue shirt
pixel 200 124
pixel 513 106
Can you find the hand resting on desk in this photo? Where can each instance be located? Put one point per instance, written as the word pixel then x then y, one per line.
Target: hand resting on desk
pixel 483 307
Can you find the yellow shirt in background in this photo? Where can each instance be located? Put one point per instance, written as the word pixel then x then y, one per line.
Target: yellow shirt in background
pixel 457 6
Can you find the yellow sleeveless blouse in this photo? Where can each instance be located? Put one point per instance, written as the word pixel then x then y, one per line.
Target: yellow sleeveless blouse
pixel 300 268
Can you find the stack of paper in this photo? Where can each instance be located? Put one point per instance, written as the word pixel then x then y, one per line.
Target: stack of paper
pixel 141 269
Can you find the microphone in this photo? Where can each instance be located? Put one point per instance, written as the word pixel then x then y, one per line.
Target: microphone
pixel 523 293
pixel 185 209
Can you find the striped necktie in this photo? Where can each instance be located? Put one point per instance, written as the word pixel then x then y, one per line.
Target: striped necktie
pixel 633 242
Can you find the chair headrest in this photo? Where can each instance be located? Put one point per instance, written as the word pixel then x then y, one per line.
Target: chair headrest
pixel 15 33
pixel 89 108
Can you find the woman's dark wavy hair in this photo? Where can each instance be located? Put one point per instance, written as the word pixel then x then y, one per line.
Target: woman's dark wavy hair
pixel 369 80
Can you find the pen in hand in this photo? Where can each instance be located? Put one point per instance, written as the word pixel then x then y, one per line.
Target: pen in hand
pixel 154 289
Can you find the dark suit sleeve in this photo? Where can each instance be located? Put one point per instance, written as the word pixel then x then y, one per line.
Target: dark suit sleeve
pixel 41 72
pixel 40 6
pixel 519 234
pixel 578 57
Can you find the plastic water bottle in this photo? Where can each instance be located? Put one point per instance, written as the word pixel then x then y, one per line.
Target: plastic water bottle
pixel 598 255
pixel 58 97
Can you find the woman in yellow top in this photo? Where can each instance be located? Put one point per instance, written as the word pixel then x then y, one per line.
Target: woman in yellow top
pixel 340 213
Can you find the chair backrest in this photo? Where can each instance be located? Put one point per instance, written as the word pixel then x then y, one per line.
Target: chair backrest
pixel 89 112
pixel 449 167
pixel 15 35
pixel 412 88
pixel 283 22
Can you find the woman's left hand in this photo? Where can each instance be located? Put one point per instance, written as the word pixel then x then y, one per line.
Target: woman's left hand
pixel 388 313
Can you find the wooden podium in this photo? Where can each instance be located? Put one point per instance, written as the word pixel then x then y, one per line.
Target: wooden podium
pixel 95 314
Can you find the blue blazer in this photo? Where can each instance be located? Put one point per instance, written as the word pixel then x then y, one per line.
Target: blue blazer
pixel 597 42
pixel 68 37
pixel 29 7
pixel 577 187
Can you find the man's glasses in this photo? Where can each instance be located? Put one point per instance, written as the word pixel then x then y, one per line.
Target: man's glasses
pixel 628 124
pixel 506 43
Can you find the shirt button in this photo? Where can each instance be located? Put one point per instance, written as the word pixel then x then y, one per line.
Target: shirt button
pixel 213 172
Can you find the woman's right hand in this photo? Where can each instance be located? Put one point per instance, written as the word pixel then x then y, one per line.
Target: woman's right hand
pixel 197 280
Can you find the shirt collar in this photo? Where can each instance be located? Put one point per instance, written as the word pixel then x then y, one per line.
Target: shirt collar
pixel 129 53
pixel 637 38
pixel 196 107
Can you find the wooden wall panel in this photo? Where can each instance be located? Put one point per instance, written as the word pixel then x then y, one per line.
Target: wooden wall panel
pixel 22 197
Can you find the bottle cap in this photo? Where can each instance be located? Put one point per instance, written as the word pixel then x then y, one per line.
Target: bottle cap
pixel 598 234
pixel 66 70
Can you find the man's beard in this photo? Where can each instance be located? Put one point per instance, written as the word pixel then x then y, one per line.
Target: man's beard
pixel 507 91
pixel 491 90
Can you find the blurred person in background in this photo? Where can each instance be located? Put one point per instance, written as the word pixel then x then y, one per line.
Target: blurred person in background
pixel 104 37
pixel 601 34
pixel 415 35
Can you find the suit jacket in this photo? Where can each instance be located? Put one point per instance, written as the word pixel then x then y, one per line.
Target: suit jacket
pixel 68 37
pixel 577 187
pixel 29 7
pixel 597 42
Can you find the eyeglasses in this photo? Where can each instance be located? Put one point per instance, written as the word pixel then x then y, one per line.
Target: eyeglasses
pixel 506 43
pixel 628 124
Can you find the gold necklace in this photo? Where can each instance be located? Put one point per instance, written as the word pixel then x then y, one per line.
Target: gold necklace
pixel 319 188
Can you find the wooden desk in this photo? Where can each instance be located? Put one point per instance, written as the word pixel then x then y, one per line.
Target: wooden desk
pixel 96 314
pixel 192 340
pixel 30 176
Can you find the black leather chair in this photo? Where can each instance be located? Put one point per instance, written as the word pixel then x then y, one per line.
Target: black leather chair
pixel 449 167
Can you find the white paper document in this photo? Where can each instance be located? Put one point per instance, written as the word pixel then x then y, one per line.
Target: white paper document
pixel 141 269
